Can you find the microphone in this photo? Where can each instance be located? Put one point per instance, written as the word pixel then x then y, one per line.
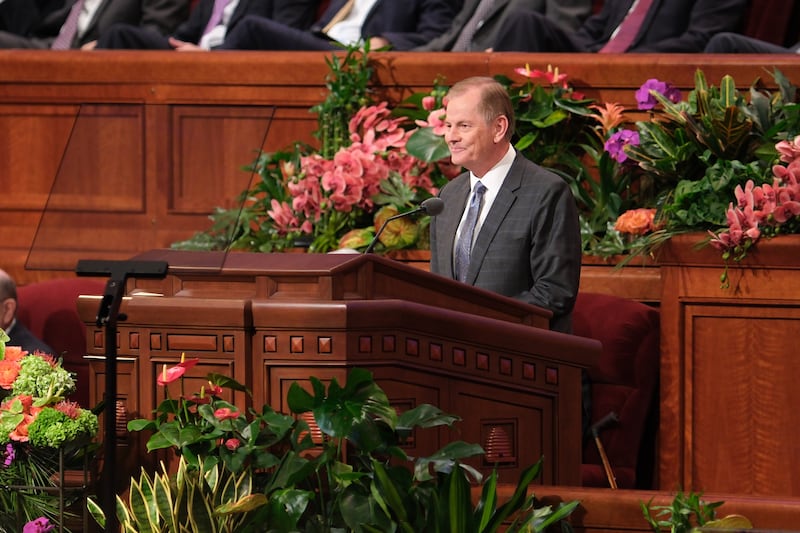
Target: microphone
pixel 432 206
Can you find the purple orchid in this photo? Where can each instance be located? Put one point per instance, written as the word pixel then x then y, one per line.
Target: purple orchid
pixel 646 100
pixel 615 145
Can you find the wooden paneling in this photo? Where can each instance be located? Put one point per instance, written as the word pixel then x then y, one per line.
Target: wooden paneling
pixel 728 376
pixel 494 373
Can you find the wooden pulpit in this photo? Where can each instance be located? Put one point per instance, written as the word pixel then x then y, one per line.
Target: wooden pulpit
pixel 269 320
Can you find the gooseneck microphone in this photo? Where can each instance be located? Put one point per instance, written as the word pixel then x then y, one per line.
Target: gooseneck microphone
pixel 432 206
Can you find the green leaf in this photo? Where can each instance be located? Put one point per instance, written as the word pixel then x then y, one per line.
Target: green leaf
pixel 427 146
pixel 459 502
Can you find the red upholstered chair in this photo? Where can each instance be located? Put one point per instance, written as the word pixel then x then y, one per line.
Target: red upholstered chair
pixel 49 310
pixel 625 382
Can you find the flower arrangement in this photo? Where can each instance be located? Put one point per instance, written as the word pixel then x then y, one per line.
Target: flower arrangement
pixel 375 160
pixel 334 195
pixel 36 423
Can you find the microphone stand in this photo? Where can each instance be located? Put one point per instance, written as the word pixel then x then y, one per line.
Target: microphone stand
pixel 108 316
pixel 385 222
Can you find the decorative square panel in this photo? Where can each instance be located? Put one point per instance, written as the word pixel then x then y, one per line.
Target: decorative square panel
pixel 133 340
pixel 436 352
pixel 412 347
pixel 551 376
pixel 270 343
pixel 365 344
pixel 482 361
pixel 324 345
pixel 459 357
pixel 529 371
pixel 155 341
pixel 228 343
pixel 296 344
pixel 389 343
pixel 506 366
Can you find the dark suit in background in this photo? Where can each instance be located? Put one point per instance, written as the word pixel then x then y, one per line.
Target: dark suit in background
pixel 734 43
pixel 567 14
pixel 404 23
pixel 22 337
pixel 294 13
pixel 669 26
pixel 162 16
pixel 528 248
pixel 21 16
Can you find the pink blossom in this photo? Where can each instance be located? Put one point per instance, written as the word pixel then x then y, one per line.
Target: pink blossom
pixel 233 444
pixel 435 121
pixel 789 150
pixel 428 102
pixel 284 218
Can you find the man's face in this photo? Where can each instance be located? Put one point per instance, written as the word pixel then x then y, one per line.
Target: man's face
pixel 472 142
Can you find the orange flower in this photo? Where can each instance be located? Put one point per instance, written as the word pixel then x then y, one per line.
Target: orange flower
pixel 14 353
pixel 610 116
pixel 9 370
pixel 20 433
pixel 636 221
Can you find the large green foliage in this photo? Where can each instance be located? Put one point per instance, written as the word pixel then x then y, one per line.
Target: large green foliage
pixel 350 473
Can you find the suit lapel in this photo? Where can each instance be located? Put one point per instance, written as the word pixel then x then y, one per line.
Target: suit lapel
pixel 498 7
pixel 97 14
pixel 239 12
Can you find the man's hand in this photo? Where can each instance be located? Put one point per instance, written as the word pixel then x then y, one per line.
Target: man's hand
pixel 376 43
pixel 183 46
pixel 89 46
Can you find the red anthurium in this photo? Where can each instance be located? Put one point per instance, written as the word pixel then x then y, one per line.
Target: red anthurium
pixel 168 375
pixel 226 413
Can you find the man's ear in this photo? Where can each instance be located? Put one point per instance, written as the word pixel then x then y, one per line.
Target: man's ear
pixel 8 308
pixel 500 128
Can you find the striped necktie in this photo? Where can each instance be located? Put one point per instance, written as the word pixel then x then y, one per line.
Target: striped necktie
pixel 216 15
pixel 624 35
pixel 69 29
pixel 464 41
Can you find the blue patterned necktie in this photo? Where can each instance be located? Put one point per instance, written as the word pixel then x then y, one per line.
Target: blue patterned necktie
pixel 464 245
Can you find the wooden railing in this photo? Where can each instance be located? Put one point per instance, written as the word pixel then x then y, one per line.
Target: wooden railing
pixel 145 144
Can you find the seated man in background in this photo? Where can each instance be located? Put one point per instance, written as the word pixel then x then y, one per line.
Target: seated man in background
pixel 20 16
pixel 734 43
pixel 20 335
pixel 477 25
pixel 646 26
pixel 402 25
pixel 79 23
pixel 209 23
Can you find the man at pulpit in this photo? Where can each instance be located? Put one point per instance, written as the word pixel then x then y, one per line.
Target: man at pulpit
pixel 508 225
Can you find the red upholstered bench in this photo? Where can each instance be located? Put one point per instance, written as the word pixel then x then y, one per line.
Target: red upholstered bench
pixel 49 310
pixel 625 382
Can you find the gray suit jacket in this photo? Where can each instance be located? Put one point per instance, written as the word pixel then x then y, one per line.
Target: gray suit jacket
pixel 529 246
pixel 160 15
pixel 567 14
